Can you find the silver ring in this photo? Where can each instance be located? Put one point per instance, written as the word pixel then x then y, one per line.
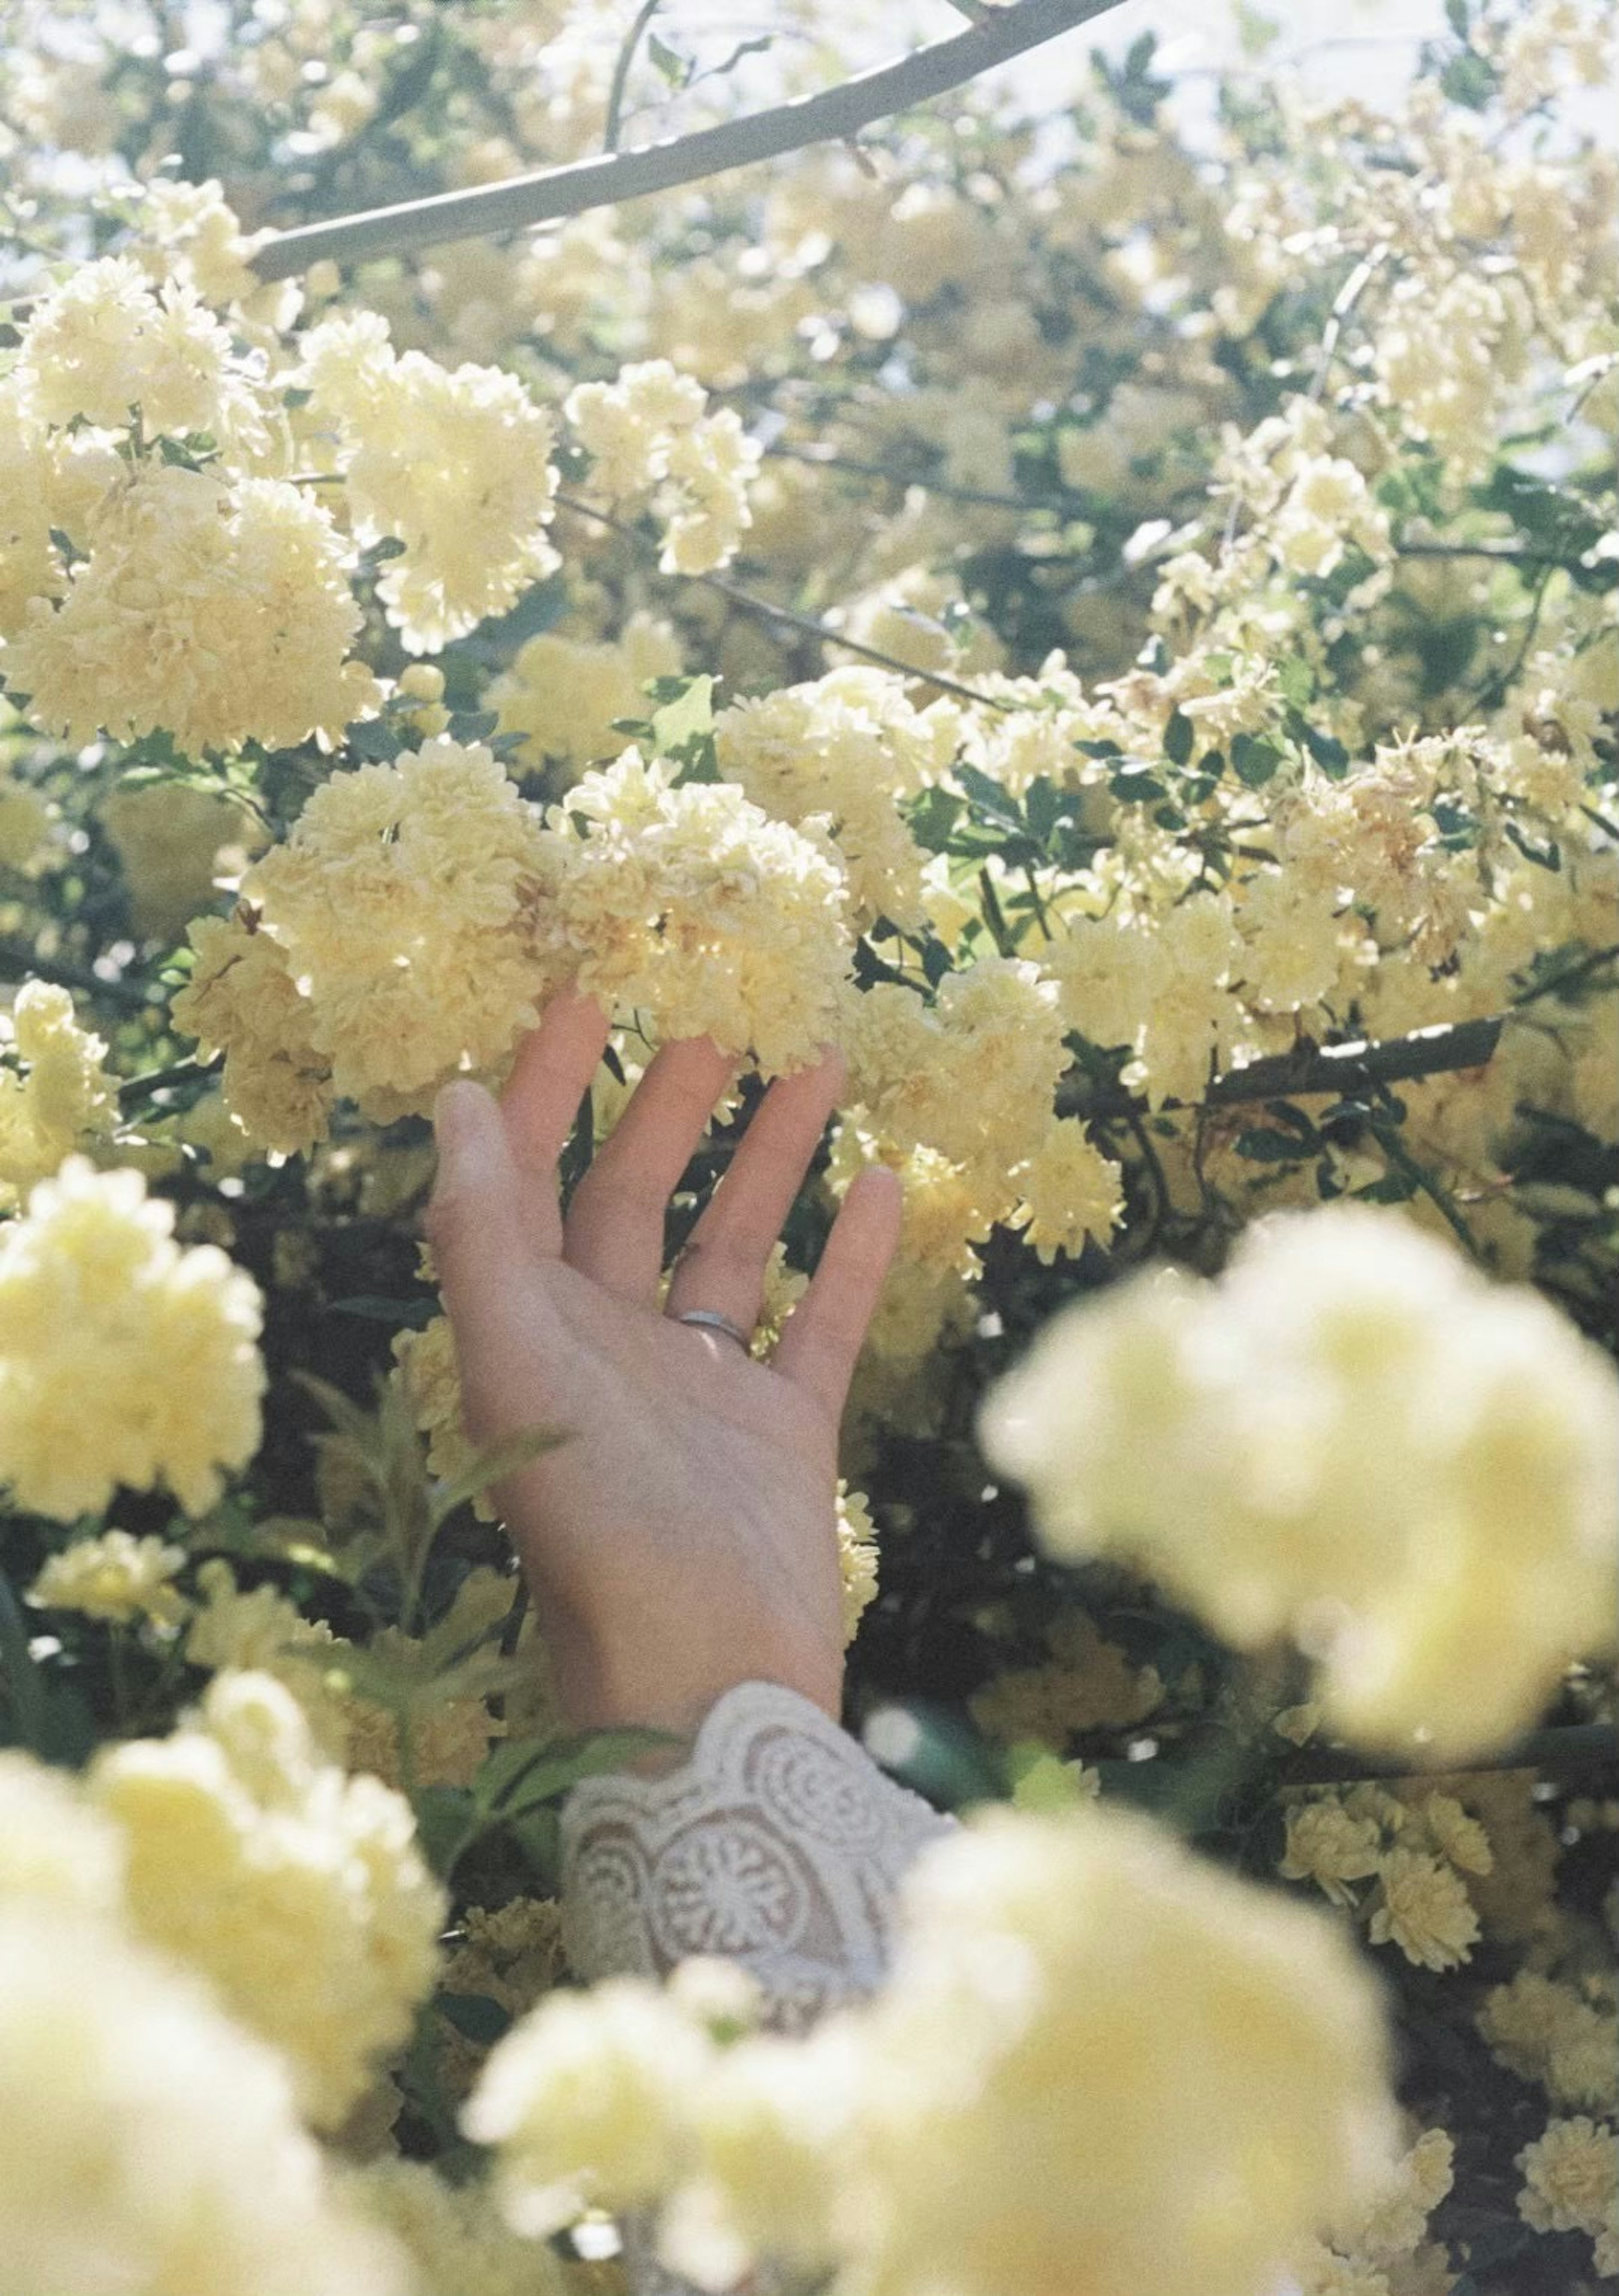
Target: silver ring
pixel 709 1319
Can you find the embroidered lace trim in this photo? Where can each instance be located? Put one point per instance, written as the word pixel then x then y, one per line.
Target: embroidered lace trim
pixel 780 1844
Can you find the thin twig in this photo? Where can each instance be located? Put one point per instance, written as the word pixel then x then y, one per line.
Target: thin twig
pixel 833 116
pixel 179 1072
pixel 1506 554
pixel 23 963
pixel 767 609
pixel 1574 1746
pixel 621 73
pixel 1344 1071
pixel 822 458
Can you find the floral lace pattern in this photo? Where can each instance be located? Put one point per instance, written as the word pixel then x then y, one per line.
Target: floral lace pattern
pixel 779 1844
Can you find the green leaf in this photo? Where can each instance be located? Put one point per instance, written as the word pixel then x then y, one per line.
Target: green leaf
pixel 1136 788
pixel 481 2019
pixel 1178 739
pixel 20 1678
pixel 522 1773
pixel 685 717
pixel 1469 79
pixel 493 1464
pixel 1296 680
pixel 1327 750
pixel 674 67
pixel 990 801
pixel 933 818
pixel 378 741
pixel 447 1820
pixel 1544 857
pixel 1263 1147
pixel 473 724
pixel 1254 759
pixel 1293 1117
pixel 1456 16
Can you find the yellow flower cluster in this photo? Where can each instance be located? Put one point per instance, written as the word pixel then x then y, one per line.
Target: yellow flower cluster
pixel 149 2145
pixel 563 694
pixel 388 943
pixel 105 343
pixel 452 2234
pixel 847 746
pixel 1545 2030
pixel 1350 1437
pixel 957 1095
pixel 173 840
pixel 1088 1684
pixel 216 611
pixel 299 1893
pixel 448 1732
pixel 212 604
pixel 1385 2249
pixel 1422 1857
pixel 452 463
pixel 66 1101
pixel 648 434
pixel 402 897
pixel 115 1576
pixel 686 904
pixel 1571 2184
pixel 97 1301
pixel 1065 1989
pixel 243 1000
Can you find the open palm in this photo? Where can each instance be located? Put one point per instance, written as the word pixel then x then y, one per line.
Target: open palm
pixel 683 1538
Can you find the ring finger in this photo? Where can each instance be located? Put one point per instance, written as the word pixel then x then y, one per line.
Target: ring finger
pixel 721 1269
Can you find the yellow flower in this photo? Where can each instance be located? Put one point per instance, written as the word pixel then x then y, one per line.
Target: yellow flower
pixel 66 1101
pixel 563 694
pixel 242 1000
pixel 1424 1909
pixel 687 905
pixel 587 2100
pixel 402 899
pixel 1069 1190
pixel 1571 2178
pixel 1328 1847
pixel 1343 1436
pixel 856 1557
pixel 456 2243
pixel 1065 1987
pixel 301 1892
pixel 216 611
pixel 452 463
pixel 171 840
pixel 114 1576
pixel 97 1300
pixel 147 2143
pixel 55 1851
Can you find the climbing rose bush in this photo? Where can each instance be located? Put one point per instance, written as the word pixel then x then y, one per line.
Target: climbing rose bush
pixel 1110 612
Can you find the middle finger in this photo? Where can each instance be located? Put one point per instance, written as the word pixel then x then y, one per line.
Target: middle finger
pixel 614 1232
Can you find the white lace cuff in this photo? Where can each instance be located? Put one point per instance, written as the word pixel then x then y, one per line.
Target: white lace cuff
pixel 779 1844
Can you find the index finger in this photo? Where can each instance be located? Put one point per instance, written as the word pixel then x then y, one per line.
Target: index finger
pixel 551 1075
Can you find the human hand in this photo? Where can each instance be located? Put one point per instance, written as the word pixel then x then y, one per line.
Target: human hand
pixel 683 1537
